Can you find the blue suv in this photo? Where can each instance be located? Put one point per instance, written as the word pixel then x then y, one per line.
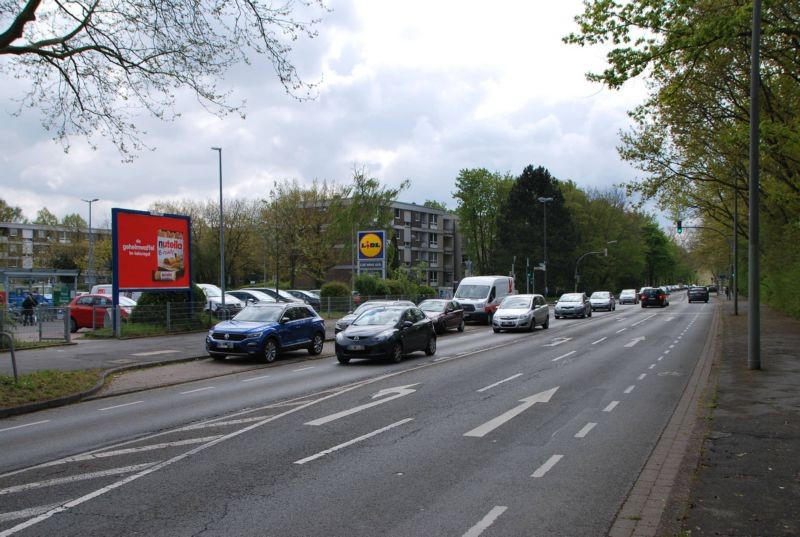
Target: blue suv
pixel 263 330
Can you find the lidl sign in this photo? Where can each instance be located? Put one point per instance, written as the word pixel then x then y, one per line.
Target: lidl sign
pixel 371 245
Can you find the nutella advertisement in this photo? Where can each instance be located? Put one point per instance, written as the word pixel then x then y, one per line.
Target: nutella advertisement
pixel 151 251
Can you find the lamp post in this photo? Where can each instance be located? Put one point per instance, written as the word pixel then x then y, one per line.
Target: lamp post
pixel 544 201
pixel 90 279
pixel 221 232
pixel 604 251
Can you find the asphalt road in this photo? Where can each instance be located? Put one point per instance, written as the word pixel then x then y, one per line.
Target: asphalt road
pixel 496 434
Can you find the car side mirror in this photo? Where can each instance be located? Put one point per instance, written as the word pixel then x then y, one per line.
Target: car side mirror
pixel 285 320
pixel 407 324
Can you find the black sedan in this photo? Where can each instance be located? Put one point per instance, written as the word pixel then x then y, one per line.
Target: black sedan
pixel 697 294
pixel 445 314
pixel 386 332
pixel 653 296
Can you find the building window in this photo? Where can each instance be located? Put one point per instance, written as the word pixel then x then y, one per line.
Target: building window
pixel 397 214
pixel 13 232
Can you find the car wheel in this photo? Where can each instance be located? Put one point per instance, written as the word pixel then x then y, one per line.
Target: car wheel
pixel 316 344
pixel 557 317
pixel 270 351
pixel 590 313
pixel 397 353
pixel 533 324
pixel 643 305
pixel 73 325
pixel 430 349
pixel 343 359
pixel 495 330
pixel 546 323
pixel 217 355
pixel 461 326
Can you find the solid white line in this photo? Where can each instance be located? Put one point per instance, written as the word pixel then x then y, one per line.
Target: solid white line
pixel 570 353
pixel 353 441
pixel 643 320
pixel 153 353
pixel 630 388
pixel 611 406
pixel 642 376
pixel 546 467
pixel 486 521
pixel 127 451
pixel 198 390
pixel 622 330
pixel 220 423
pixel 25 425
pixel 498 383
pixel 599 340
pixel 120 406
pixel 255 378
pixel 302 369
pixel 583 432
pixel 25 513
pixel 73 478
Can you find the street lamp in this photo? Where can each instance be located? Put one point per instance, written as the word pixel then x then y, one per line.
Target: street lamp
pixel 604 251
pixel 221 232
pixel 90 279
pixel 544 201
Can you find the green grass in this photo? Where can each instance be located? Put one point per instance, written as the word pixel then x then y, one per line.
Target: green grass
pixel 45 385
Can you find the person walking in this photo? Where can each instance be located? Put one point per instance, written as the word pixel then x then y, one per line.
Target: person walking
pixel 28 306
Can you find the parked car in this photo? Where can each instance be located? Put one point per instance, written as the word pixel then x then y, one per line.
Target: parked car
pixel 697 294
pixel 214 301
pixel 603 300
pixel 444 314
pixel 628 296
pixel 264 330
pixel 386 332
pixel 251 296
pixel 521 312
pixel 306 296
pixel 89 310
pixel 345 321
pixel 653 296
pixel 280 295
pixel 573 305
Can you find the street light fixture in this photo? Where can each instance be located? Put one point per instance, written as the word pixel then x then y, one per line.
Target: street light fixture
pixel 544 201
pixel 221 233
pixel 90 279
pixel 604 252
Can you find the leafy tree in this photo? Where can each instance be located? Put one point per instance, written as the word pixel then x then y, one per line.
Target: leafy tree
pixel 46 218
pixel 94 66
pixel 75 222
pixel 480 196
pixel 433 204
pixel 9 213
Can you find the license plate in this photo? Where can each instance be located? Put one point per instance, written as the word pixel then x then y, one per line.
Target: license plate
pixel 355 348
pixel 225 345
pixel 508 324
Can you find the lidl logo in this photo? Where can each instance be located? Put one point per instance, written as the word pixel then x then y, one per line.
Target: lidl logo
pixel 370 245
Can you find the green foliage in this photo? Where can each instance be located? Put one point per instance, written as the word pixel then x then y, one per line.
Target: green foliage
pixel 9 213
pixel 334 289
pixel 45 385
pixel 46 218
pixel 152 308
pixel 425 291
pixel 370 285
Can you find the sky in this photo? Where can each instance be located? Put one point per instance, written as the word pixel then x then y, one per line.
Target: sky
pixel 413 90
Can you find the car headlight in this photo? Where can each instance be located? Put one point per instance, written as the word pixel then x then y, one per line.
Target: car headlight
pixel 386 334
pixel 255 333
pixel 211 333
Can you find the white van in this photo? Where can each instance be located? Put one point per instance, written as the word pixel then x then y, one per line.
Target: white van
pixel 479 296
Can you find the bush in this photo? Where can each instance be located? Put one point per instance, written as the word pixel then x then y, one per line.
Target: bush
pixel 334 289
pixel 369 285
pixel 425 291
pixel 151 307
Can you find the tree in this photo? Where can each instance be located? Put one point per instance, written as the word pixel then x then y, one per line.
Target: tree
pixel 94 65
pixel 74 221
pixel 433 204
pixel 480 196
pixel 46 218
pixel 9 213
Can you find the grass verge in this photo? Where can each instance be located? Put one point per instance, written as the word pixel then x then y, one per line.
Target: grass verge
pixel 45 385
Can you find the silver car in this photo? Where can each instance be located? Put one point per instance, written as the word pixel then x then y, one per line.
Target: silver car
pixel 603 300
pixel 573 305
pixel 521 312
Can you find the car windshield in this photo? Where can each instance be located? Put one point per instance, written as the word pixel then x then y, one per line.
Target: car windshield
pixel 472 291
pixel 259 314
pixel 367 306
pixel 516 302
pixel 628 292
pixel 572 297
pixel 600 294
pixel 212 291
pixel 432 305
pixel 379 316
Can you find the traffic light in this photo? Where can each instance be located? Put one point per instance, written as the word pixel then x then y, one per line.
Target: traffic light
pixel 680 226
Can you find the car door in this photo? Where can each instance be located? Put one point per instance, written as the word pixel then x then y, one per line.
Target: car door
pixel 82 311
pixel 101 304
pixel 541 310
pixel 292 327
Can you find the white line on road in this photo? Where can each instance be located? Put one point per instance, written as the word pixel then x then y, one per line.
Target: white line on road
pixel 498 383
pixel 302 369
pixel 558 341
pixel 672 346
pixel 128 451
pixel 221 423
pixel 486 521
pixel 611 406
pixel 583 432
pixel 25 513
pixel 153 353
pixel 24 425
pixel 398 391
pixel 120 406
pixel 642 376
pixel 546 467
pixel 482 430
pixel 666 351
pixel 198 390
pixel 599 340
pixel 660 358
pixel 652 366
pixel 621 330
pixel 78 477
pixel 643 320
pixel 256 378
pixel 570 353
pixel 634 341
pixel 353 441
pixel 630 388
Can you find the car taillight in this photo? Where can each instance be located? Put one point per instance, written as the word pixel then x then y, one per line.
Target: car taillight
pixel 661 297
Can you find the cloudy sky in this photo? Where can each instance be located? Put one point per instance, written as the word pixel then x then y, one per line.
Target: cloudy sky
pixel 412 90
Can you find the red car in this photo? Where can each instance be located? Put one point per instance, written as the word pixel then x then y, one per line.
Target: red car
pixel 81 308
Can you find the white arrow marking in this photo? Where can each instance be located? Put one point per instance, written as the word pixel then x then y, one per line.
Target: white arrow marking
pixel 399 391
pixel 634 341
pixel 558 341
pixel 494 423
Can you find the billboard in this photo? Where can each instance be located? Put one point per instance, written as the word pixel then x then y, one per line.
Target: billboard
pixel 372 251
pixel 150 250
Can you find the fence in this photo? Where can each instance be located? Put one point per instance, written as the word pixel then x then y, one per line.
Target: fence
pixel 46 324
